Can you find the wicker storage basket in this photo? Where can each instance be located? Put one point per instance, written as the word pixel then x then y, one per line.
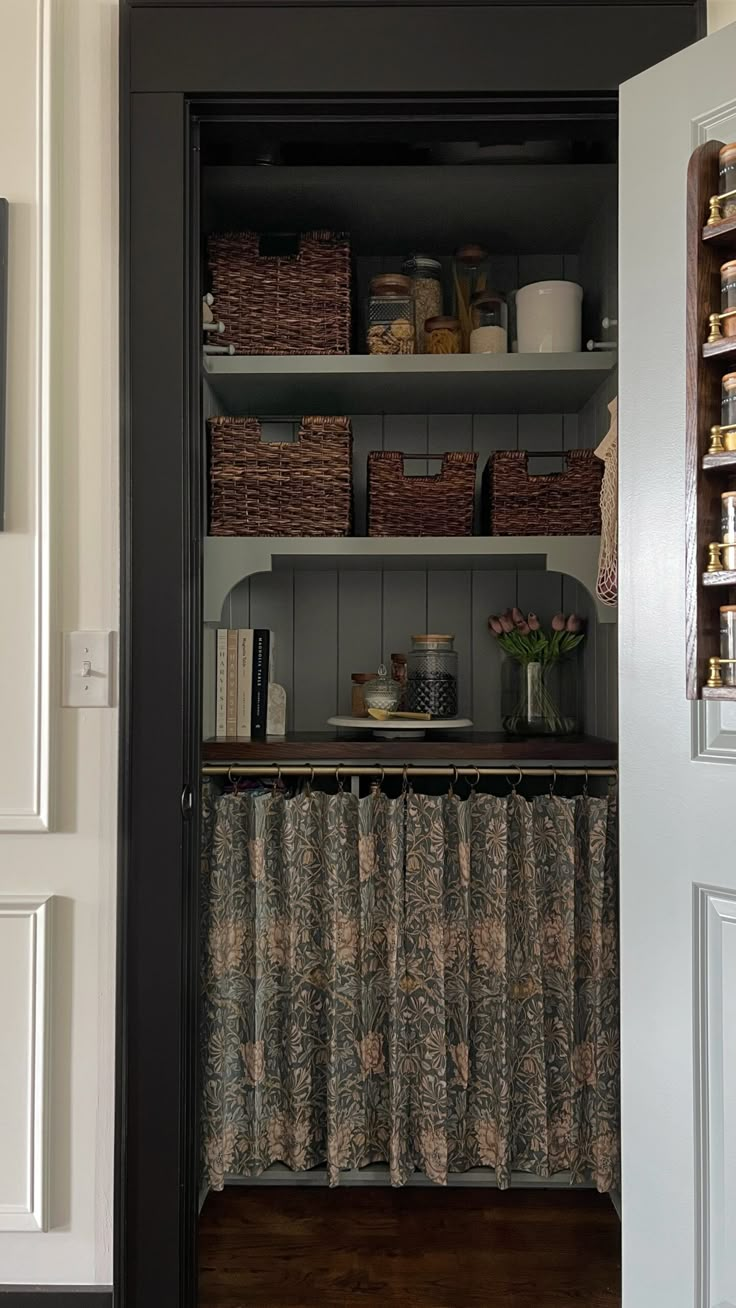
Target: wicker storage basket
pixel 557 504
pixel 280 488
pixel 420 506
pixel 282 304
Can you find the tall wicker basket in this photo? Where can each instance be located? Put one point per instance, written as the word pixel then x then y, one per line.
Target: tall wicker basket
pixel 441 505
pixel 282 304
pixel 557 504
pixel 280 488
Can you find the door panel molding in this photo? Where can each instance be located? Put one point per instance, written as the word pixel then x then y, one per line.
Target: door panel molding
pixel 25 931
pixel 715 1095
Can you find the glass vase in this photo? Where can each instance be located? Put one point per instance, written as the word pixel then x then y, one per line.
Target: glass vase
pixel 532 699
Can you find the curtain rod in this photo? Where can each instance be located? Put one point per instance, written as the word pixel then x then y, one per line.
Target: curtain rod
pixel 392 770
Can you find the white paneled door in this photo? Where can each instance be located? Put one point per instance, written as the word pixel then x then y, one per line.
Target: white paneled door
pixel 678 783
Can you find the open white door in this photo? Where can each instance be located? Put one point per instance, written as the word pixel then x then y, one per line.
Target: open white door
pixel 678 779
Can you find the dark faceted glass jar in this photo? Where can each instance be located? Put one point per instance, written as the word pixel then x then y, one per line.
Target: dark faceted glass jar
pixel 432 676
pixel 727 178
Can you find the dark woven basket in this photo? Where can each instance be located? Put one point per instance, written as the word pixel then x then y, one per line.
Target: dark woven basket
pixel 558 504
pixel 282 304
pixel 420 506
pixel 280 488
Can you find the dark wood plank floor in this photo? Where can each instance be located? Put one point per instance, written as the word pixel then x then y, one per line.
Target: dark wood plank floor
pixel 449 1248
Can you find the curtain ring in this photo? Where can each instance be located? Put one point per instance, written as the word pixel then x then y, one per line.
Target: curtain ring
pixel 517 781
pixel 585 784
pixel 310 779
pixel 453 782
pixel 377 782
pixel 338 778
pixel 405 783
pixel 476 779
pixel 230 778
pixel 553 782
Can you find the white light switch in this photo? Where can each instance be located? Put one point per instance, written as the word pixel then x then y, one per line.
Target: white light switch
pixel 87 669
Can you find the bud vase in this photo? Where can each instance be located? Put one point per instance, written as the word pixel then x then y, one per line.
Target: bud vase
pixel 531 700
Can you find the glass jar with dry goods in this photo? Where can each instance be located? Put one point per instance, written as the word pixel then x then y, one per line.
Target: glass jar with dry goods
pixel 391 315
pixel 728 297
pixel 728 404
pixel 426 287
pixel 358 682
pixel 727 179
pixel 470 275
pixel 442 335
pixel 728 644
pixel 489 323
pixel 382 692
pixel 431 685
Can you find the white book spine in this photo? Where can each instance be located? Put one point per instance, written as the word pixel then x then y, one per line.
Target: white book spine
pixel 221 707
pixel 245 681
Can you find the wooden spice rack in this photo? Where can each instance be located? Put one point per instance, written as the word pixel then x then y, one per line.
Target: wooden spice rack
pixel 707 474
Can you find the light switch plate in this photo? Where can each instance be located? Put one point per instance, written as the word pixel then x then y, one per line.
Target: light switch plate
pixel 87 681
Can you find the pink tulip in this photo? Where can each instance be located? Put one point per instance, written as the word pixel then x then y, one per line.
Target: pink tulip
pixel 495 625
pixel 574 623
pixel 558 622
pixel 523 627
pixel 533 621
pixel 517 617
pixel 506 623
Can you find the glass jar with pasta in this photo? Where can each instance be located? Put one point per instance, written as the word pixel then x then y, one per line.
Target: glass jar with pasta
pixel 442 335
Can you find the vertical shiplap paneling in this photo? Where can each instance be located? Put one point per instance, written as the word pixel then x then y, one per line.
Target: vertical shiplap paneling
pixel 367 436
pixel 449 610
pixel 407 432
pixel 315 649
pixel 576 600
pixel 272 607
pixel 404 610
pixel 539 434
pixel 449 432
pixel 359 635
pixel 209 681
pixel 491 431
pixel 492 592
pixel 570 431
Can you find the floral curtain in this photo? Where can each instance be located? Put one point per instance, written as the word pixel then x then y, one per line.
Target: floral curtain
pixel 426 981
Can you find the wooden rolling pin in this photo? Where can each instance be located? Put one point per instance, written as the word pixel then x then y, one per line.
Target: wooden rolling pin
pixel 383 715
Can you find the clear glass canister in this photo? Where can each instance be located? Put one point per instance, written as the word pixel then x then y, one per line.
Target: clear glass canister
pixel 382 692
pixel 470 275
pixel 728 644
pixel 391 315
pixel 431 685
pixel 426 287
pixel 728 517
pixel 442 336
pixel 489 323
pixel 727 178
pixel 728 407
pixel 728 297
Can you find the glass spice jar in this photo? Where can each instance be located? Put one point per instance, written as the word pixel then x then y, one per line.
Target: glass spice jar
pixel 728 643
pixel 382 692
pixel 358 681
pixel 489 323
pixel 727 178
pixel 431 685
pixel 728 408
pixel 728 297
pixel 426 288
pixel 391 315
pixel 470 275
pixel 442 336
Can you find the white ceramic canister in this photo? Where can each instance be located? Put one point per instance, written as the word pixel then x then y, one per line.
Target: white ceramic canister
pixel 548 317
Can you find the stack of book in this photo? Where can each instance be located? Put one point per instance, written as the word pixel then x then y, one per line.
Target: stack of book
pixel 243 662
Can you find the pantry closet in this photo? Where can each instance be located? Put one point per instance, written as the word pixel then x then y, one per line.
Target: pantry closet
pixel 386 952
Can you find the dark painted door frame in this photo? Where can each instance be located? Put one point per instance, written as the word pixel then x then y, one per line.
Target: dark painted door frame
pixel 156 1129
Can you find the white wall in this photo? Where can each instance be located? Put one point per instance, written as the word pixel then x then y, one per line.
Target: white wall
pixel 720 12
pixel 58 162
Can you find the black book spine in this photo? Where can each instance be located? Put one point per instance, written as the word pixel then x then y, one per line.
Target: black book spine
pixel 261 643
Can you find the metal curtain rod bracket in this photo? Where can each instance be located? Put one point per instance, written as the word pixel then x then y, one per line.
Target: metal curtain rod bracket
pixel 338 770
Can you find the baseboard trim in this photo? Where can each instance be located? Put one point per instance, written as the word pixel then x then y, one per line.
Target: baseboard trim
pixel 55 1296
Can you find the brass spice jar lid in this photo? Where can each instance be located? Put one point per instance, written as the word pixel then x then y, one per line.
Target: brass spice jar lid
pixel 727 154
pixel 728 380
pixel 728 267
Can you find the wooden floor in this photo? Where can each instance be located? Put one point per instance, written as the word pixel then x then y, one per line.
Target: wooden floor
pixel 449 1248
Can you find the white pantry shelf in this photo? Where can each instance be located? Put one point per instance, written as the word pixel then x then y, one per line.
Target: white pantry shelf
pixel 229 559
pixel 410 383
